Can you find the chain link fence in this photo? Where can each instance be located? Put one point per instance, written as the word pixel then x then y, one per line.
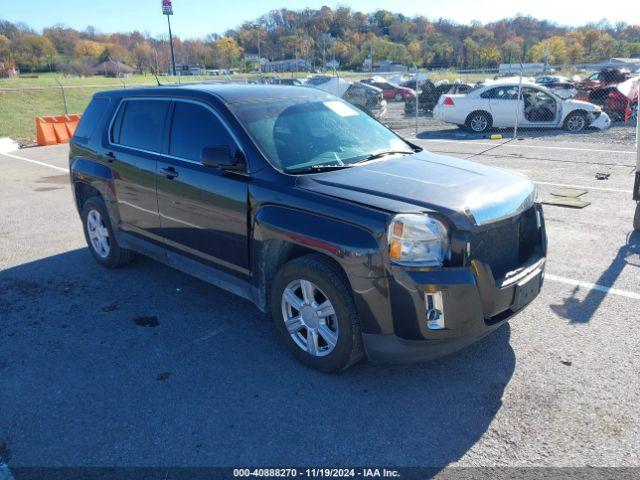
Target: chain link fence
pixel 449 104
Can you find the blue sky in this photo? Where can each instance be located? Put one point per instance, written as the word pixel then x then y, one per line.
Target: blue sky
pixel 197 18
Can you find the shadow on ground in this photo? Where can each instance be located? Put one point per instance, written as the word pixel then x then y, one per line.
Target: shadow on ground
pixel 582 311
pixel 146 366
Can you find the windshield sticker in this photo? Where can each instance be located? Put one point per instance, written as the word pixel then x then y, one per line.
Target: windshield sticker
pixel 341 109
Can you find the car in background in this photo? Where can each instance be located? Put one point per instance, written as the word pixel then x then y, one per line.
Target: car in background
pixel 367 98
pixel 431 92
pixel 496 104
pixel 390 91
pixel 296 82
pixel 561 86
pixel 606 76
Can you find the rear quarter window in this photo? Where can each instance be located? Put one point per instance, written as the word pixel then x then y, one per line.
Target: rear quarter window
pixel 91 117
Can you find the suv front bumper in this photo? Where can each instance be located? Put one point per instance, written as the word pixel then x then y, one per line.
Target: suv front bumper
pixel 473 305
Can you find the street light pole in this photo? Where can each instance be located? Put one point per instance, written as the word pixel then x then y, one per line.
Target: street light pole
pixel 173 60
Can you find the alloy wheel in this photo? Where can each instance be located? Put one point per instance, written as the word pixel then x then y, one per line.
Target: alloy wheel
pixel 98 234
pixel 309 317
pixel 479 123
pixel 576 123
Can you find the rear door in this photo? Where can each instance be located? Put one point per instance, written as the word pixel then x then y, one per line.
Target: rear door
pixel 135 142
pixel 503 103
pixel 203 210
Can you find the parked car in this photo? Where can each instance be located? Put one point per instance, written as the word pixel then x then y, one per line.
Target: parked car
pixel 285 81
pixel 430 93
pixel 390 91
pixel 606 76
pixel 367 98
pixel 619 101
pixel 561 86
pixel 356 241
pixel 496 105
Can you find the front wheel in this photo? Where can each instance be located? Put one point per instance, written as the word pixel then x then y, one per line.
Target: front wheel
pixel 575 122
pixel 398 97
pixel 314 312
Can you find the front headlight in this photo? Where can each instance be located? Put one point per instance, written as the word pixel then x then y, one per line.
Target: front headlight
pixel 418 240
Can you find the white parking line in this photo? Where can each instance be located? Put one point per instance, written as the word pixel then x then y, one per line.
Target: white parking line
pixel 592 286
pixel 519 145
pixel 35 161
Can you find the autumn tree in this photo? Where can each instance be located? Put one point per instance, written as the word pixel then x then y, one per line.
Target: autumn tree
pixel 34 52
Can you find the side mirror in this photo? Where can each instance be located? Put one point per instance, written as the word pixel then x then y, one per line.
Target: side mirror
pixel 220 156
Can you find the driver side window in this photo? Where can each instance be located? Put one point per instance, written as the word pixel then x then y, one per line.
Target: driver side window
pixel 193 128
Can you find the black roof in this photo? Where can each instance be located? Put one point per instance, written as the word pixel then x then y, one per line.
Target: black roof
pixel 232 93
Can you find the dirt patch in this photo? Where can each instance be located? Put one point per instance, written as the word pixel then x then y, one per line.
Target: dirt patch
pixel 46 189
pixel 109 308
pixel 146 321
pixel 56 179
pixel 163 376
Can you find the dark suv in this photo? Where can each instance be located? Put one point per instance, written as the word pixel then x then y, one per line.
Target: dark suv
pixel 355 240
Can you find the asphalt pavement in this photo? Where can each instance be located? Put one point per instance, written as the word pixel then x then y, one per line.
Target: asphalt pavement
pixel 145 366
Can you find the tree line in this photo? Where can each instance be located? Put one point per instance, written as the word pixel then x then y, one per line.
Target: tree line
pixel 321 35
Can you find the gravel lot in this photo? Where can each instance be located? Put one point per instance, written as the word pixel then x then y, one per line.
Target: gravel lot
pixel 147 366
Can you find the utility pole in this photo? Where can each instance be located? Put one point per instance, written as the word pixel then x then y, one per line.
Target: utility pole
pixel 259 56
pixel 324 51
pixel 167 9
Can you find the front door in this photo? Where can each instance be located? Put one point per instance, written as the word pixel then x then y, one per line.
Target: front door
pixel 203 210
pixel 540 108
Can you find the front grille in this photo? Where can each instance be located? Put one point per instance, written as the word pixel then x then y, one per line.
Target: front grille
pixel 506 247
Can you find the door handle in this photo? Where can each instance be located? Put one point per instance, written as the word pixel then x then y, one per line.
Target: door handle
pixel 110 157
pixel 169 172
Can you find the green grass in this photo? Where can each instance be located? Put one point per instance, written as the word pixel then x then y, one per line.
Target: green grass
pixel 23 99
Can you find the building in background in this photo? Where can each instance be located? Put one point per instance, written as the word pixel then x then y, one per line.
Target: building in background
pixel 290 65
pixel 113 68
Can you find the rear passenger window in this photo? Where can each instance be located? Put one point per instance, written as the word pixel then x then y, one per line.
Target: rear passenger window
pixel 91 116
pixel 142 124
pixel 193 128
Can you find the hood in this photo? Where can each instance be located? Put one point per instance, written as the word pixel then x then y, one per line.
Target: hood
pixel 467 193
pixel 589 107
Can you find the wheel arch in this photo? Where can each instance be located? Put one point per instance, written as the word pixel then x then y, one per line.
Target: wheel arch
pixel 281 234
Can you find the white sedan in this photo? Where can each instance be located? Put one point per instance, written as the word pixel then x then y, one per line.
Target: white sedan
pixel 496 105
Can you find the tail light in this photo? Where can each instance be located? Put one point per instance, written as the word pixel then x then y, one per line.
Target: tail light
pixel 448 101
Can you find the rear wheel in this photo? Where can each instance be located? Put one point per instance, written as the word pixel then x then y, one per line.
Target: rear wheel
pixel 398 97
pixel 633 118
pixel 478 122
pixel 575 122
pixel 314 312
pixel 99 235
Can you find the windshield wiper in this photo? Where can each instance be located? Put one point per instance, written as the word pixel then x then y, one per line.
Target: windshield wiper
pixel 375 156
pixel 318 168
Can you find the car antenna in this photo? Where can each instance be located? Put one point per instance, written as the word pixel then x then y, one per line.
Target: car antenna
pixel 159 84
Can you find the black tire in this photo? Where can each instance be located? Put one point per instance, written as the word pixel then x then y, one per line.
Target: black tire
pixel 330 279
pixel 478 118
pixel 636 218
pixel 117 256
pixel 575 116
